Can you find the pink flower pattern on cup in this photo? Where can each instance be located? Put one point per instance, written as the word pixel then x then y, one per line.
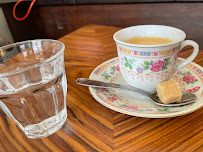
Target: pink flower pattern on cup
pixel 157 65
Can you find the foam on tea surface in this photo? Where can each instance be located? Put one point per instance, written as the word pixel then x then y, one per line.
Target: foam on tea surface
pixel 148 40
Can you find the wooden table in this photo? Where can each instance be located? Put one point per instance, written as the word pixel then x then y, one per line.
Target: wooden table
pixel 92 127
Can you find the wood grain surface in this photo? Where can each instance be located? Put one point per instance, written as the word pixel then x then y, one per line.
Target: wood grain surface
pixel 91 127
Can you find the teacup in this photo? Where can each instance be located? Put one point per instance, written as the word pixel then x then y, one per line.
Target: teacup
pixel 143 66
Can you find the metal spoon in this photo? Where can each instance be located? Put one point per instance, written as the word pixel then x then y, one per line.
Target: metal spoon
pixel 187 98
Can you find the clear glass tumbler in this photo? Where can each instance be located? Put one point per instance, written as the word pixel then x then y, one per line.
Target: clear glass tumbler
pixel 33 86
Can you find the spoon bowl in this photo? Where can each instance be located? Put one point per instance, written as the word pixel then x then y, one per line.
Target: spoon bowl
pixel 187 98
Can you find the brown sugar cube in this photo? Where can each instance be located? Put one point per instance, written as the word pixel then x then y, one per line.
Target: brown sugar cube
pixel 169 92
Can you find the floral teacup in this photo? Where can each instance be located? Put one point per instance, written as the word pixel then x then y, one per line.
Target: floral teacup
pixel 143 66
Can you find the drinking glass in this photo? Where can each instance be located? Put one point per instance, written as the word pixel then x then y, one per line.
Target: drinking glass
pixel 33 86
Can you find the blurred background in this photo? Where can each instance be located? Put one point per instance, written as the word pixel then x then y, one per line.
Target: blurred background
pixel 56 18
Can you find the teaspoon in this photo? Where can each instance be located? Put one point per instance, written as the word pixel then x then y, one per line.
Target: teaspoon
pixel 187 98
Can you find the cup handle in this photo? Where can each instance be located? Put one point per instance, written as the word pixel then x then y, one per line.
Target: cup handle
pixel 192 56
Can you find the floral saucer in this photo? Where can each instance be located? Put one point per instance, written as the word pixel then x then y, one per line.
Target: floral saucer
pixel 190 78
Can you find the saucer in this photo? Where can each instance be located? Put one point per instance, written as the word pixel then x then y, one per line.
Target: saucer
pixel 190 79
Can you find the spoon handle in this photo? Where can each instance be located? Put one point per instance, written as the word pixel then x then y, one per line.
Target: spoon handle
pixel 100 84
